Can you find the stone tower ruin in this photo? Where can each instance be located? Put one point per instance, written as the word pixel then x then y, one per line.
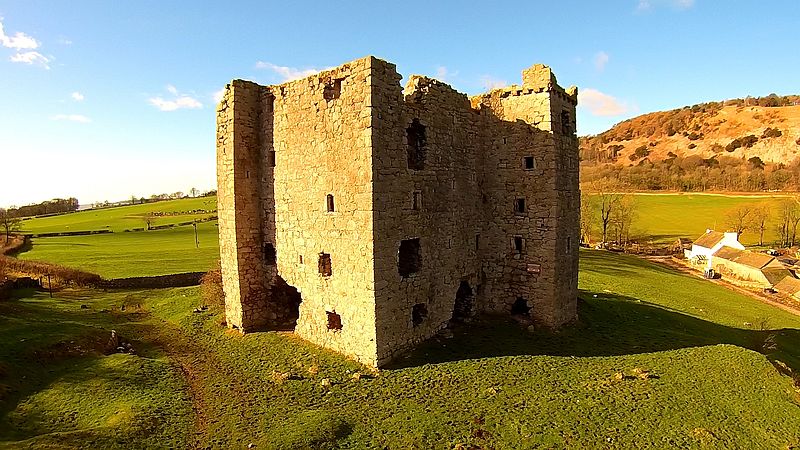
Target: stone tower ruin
pixel 366 216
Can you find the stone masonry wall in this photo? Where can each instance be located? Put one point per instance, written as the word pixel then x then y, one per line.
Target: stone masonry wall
pixel 424 168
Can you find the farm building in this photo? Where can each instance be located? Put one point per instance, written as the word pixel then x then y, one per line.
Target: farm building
pixel 750 266
pixel 789 286
pixel 710 242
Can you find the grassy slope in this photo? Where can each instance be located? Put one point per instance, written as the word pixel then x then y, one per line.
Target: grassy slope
pixel 120 255
pixel 492 385
pixel 664 218
pixel 121 217
pixel 58 391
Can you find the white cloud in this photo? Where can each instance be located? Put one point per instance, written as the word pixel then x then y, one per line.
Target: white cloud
pixel 218 95
pixel 77 96
pixel 286 73
pixel 181 101
pixel 600 60
pixel 444 74
pixel 72 118
pixel 600 104
pixel 488 82
pixel 31 58
pixel 19 41
pixel 647 5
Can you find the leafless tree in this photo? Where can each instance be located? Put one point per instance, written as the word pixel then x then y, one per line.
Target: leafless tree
pixel 761 215
pixel 788 220
pixel 623 217
pixel 9 222
pixel 739 219
pixel 588 217
pixel 193 192
pixel 607 197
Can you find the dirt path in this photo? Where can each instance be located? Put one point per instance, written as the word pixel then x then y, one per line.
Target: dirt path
pixel 770 299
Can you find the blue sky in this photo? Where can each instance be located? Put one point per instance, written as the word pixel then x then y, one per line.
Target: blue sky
pixel 102 100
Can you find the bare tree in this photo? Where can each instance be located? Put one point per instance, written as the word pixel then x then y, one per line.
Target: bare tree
pixel 607 197
pixel 622 218
pixel 148 221
pixel 788 220
pixel 587 217
pixel 9 222
pixel 193 192
pixel 761 216
pixel 739 219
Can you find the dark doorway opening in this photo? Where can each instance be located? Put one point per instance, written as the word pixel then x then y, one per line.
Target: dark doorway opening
pixel 284 301
pixel 464 307
pixel 520 308
pixel 419 313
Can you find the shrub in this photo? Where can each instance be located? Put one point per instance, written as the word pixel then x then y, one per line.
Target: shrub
pixel 691 146
pixel 38 269
pixel 211 287
pixel 771 133
pixel 694 136
pixel 641 152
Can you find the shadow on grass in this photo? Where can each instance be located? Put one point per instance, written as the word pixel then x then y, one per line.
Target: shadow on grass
pixel 608 325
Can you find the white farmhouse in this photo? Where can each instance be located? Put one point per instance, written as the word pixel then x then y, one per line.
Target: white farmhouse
pixel 706 245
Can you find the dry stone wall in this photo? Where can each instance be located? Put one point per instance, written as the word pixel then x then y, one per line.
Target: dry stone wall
pixel 368 216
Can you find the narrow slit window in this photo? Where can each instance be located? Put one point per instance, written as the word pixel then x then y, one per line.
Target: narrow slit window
pixel 418 314
pixel 329 203
pixel 409 257
pixel 334 320
pixel 477 242
pixel 301 259
pixel 566 123
pixel 271 158
pixel 530 163
pixel 270 255
pixel 519 244
pixel 415 134
pixel 325 264
pixel 519 206
pixel 416 201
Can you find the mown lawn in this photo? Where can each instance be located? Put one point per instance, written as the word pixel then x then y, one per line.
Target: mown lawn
pixel 666 217
pixel 492 385
pixel 120 255
pixel 121 218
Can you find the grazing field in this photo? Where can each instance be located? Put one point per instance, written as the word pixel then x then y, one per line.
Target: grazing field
pixel 120 255
pixel 666 217
pixel 122 218
pixel 129 254
pixel 658 359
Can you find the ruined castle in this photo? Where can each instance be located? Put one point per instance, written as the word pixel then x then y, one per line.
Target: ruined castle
pixel 366 216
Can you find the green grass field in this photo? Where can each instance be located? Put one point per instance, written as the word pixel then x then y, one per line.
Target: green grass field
pixel 666 217
pixel 121 217
pixel 120 255
pixel 493 385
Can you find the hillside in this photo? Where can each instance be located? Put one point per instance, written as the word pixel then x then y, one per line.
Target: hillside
pixel 745 145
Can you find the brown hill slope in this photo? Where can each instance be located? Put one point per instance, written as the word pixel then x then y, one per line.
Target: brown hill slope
pixel 754 140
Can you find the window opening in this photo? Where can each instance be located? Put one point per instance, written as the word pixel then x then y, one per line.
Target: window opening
pixel 418 314
pixel 270 255
pixel 521 308
pixel 566 126
pixel 464 305
pixel 416 200
pixel 409 257
pixel 519 244
pixel 332 90
pixel 477 242
pixel 334 320
pixel 415 134
pixel 519 206
pixel 530 163
pixel 329 202
pixel 271 158
pixel 325 264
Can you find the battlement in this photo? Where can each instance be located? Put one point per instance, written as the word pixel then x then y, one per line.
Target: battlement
pixel 367 217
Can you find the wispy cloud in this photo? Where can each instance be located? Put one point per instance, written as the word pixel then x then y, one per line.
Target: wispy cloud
pixel 600 104
pixel 489 82
pixel 24 45
pixel 218 95
pixel 286 73
pixel 77 96
pixel 444 74
pixel 601 60
pixel 647 5
pixel 72 118
pixel 31 58
pixel 180 101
